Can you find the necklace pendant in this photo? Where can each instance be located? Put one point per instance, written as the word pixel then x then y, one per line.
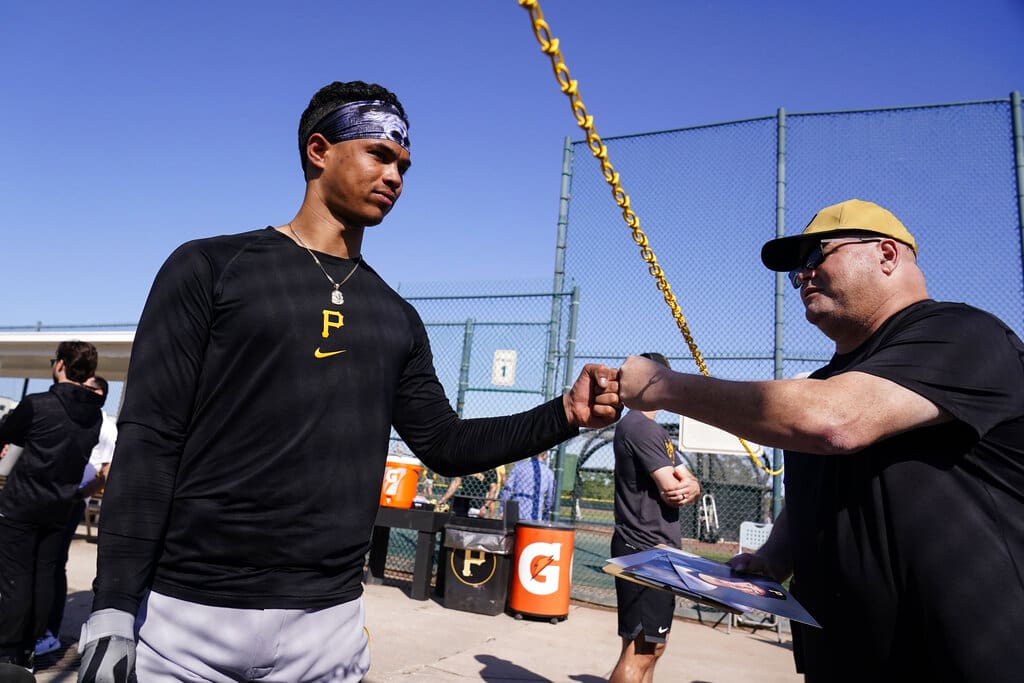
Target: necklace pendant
pixel 336 298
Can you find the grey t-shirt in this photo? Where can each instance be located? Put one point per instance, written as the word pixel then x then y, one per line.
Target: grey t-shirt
pixel 641 447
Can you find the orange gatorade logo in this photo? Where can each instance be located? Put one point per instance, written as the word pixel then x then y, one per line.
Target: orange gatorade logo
pixel 539 568
pixel 331 320
pixel 392 475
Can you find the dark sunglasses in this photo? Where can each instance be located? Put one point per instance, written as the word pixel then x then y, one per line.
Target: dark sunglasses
pixel 818 255
pixel 53 361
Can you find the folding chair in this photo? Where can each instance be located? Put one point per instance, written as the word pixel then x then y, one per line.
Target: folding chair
pixel 707 520
pixel 92 512
pixel 752 536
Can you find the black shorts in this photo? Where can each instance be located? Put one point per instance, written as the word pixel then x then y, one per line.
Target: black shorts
pixel 641 609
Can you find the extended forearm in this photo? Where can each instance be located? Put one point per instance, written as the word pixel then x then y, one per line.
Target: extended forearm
pixel 469 446
pixel 136 506
pixel 771 413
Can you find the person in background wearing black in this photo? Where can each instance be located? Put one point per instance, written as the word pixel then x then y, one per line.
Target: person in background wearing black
pixel 651 484
pixel 267 371
pixel 93 480
pixel 57 430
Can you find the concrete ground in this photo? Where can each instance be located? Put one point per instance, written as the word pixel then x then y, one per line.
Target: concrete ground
pixel 415 641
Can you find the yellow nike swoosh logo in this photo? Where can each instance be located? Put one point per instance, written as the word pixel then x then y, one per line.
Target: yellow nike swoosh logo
pixel 326 354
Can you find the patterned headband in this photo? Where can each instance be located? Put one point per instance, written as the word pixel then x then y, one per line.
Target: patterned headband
pixel 365 119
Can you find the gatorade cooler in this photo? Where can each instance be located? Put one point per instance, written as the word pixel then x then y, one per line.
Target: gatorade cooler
pixel 541 571
pixel 401 479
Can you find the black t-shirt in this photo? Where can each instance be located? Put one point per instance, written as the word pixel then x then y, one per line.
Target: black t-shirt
pixel 910 552
pixel 642 446
pixel 255 427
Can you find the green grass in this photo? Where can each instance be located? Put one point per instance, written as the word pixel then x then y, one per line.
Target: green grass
pixel 715 555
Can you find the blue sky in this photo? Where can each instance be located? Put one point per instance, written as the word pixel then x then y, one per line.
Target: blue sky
pixel 128 128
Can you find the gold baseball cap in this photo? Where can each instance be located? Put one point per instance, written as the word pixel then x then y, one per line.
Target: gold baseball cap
pixel 850 217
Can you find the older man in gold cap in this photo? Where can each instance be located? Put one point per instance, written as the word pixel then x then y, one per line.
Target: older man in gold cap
pixel 903 527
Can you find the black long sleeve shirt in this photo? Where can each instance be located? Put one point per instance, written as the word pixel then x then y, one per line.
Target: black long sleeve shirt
pixel 254 431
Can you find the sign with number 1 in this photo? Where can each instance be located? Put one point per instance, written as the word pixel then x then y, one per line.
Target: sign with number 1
pixel 503 373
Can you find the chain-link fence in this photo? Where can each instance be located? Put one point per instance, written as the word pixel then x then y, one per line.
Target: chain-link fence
pixel 708 198
pixel 497 352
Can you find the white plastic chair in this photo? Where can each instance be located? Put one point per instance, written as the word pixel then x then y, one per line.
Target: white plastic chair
pixel 752 536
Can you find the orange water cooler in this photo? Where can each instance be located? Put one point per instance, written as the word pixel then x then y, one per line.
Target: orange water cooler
pixel 541 571
pixel 401 481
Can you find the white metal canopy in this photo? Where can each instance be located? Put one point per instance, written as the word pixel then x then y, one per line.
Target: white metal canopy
pixel 28 354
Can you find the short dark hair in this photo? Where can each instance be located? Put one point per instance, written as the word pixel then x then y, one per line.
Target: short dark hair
pixel 657 358
pixel 101 384
pixel 332 96
pixel 79 358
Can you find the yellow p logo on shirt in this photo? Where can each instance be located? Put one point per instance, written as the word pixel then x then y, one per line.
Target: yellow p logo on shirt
pixel 331 319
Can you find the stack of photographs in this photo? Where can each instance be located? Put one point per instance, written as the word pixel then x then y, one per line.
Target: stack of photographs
pixel 707 582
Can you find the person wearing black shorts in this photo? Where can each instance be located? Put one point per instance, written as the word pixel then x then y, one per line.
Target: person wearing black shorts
pixel 267 371
pixel 651 483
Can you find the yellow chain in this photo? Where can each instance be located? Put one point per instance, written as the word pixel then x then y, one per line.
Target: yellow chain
pixel 570 88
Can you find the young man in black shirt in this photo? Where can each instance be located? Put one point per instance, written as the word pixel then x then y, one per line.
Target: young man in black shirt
pixel 56 430
pixel 267 371
pixel 651 484
pixel 904 520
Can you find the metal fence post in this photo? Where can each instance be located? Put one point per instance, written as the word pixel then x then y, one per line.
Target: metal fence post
pixel 780 284
pixel 1018 158
pixel 556 287
pixel 467 349
pixel 570 356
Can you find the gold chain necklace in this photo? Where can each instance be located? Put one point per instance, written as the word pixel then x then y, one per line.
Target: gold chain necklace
pixel 336 297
